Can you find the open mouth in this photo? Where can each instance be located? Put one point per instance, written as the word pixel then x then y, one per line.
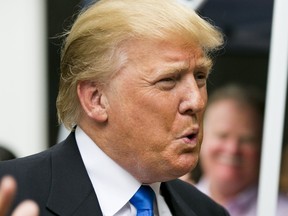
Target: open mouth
pixel 191 136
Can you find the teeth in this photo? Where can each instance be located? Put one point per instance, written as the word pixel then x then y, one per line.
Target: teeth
pixel 229 160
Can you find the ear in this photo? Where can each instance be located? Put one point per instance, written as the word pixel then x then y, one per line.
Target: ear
pixel 93 102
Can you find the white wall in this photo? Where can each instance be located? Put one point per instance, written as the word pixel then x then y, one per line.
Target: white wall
pixel 23 107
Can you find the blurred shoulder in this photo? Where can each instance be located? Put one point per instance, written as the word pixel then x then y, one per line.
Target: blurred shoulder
pixel 195 199
pixel 282 207
pixel 27 164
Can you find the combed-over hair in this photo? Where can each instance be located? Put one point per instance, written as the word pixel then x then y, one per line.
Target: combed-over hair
pixel 94 48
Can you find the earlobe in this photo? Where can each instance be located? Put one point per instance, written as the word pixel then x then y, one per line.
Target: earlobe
pixel 92 100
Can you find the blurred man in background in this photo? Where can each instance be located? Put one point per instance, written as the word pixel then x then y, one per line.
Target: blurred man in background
pixel 231 149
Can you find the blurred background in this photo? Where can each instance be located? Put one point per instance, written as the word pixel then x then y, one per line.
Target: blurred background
pixel 30 56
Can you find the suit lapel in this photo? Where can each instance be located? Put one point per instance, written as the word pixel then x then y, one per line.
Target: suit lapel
pixel 177 205
pixel 71 191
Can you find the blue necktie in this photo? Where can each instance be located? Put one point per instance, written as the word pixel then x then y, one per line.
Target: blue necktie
pixel 143 201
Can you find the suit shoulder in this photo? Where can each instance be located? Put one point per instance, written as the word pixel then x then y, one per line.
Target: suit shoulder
pixel 24 166
pixel 195 199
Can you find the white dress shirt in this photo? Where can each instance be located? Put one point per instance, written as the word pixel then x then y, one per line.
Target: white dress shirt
pixel 113 185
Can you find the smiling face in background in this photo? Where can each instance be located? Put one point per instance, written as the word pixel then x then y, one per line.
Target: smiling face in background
pixel 230 151
pixel 155 108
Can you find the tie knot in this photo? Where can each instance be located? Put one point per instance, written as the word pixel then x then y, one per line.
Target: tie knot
pixel 143 200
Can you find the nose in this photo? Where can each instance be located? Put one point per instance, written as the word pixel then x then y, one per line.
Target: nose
pixel 232 145
pixel 194 99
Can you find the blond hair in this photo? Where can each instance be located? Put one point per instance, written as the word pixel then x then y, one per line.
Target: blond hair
pixel 92 49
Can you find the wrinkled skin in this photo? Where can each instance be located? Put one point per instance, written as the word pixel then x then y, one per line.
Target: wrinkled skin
pixel 154 107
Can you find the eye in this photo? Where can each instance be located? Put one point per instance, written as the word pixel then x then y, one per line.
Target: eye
pixel 248 141
pixel 168 79
pixel 221 135
pixel 201 78
pixel 167 83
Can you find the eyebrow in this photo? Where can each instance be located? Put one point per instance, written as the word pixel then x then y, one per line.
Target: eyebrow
pixel 204 63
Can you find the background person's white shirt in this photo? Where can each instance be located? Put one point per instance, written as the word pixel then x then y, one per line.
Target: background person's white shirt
pixel 113 185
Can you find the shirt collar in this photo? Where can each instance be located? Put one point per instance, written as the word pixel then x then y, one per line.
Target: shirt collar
pixel 113 185
pixel 107 177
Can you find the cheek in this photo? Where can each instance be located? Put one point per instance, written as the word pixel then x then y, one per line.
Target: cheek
pixel 251 155
pixel 155 116
pixel 205 157
pixel 210 146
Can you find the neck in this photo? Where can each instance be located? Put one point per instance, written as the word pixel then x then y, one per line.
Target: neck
pixel 221 196
pixel 224 192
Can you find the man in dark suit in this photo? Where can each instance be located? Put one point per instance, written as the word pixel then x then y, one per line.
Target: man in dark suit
pixel 133 92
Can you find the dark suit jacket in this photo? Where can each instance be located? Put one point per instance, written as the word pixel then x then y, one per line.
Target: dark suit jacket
pixel 57 180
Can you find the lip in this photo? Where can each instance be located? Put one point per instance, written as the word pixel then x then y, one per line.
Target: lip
pixel 190 136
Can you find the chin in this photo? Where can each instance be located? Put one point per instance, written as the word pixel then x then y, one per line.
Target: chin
pixel 190 161
pixel 228 179
pixel 184 169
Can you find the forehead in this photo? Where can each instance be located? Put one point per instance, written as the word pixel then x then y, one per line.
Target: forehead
pixel 148 50
pixel 150 44
pixel 232 113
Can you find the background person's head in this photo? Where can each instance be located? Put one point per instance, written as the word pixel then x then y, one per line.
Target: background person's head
pixel 230 152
